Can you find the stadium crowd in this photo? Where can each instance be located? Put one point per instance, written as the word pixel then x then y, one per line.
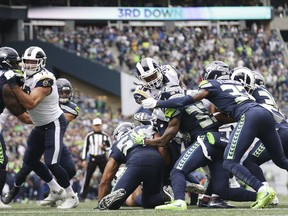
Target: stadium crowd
pixel 186 48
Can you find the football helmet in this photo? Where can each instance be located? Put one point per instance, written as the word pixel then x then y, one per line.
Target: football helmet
pixel 9 58
pixel 65 90
pixel 216 70
pixel 150 73
pixel 245 76
pixel 34 59
pixel 259 79
pixel 122 129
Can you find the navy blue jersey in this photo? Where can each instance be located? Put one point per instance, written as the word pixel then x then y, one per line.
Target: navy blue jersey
pixel 263 97
pixel 125 151
pixel 2 83
pixel 195 119
pixel 70 107
pixel 228 96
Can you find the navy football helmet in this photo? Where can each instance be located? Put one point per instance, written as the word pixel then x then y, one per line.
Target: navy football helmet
pixel 245 76
pixel 150 73
pixel 65 90
pixel 122 129
pixel 259 79
pixel 216 70
pixel 9 58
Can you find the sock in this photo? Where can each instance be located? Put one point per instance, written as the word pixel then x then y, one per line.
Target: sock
pixel 262 188
pixel 69 190
pixel 53 185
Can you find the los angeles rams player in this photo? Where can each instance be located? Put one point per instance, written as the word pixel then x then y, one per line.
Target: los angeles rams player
pixel 159 82
pixel 71 111
pixel 231 98
pixel 40 98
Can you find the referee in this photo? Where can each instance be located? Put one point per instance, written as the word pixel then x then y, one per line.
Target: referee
pixel 96 144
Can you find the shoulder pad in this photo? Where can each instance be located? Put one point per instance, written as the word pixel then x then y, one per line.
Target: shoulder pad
pixel 204 83
pixel 45 82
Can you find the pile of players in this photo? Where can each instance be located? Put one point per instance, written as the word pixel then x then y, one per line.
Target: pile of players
pixel 195 117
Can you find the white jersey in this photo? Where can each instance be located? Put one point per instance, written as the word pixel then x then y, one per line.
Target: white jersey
pixel 48 109
pixel 171 83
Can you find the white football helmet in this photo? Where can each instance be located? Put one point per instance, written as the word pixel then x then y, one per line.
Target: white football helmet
pixel 150 73
pixel 34 59
pixel 245 76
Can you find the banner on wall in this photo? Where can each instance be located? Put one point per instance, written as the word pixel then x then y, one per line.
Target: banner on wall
pixel 151 13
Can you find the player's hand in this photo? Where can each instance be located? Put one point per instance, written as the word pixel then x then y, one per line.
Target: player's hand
pixel 11 78
pixel 149 103
pixel 139 95
pixel 138 138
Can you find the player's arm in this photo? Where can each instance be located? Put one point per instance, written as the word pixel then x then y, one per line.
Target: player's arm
pixel 178 102
pixel 69 117
pixel 182 101
pixel 169 133
pixel 14 106
pixel 34 98
pixel 221 117
pixel 109 173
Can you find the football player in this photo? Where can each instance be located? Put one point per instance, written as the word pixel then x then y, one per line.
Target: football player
pixel 71 111
pixel 253 120
pixel 40 97
pixel 9 60
pixel 139 170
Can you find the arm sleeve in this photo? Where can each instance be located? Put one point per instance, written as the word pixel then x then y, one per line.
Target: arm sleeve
pixel 175 102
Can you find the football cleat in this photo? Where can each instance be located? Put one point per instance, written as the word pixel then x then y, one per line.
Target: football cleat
pixel 7 198
pixel 195 188
pixel 203 201
pixel 71 201
pixel 111 198
pixel 168 193
pixel 217 202
pixel 53 197
pixel 4 206
pixel 274 202
pixel 175 205
pixel 264 197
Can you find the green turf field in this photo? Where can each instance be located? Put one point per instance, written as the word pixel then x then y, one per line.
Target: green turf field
pixel 86 208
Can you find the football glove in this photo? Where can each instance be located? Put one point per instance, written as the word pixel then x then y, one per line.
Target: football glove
pixel 149 103
pixel 11 78
pixel 139 95
pixel 138 138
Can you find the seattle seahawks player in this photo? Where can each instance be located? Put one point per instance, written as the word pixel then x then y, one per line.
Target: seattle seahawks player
pixel 40 98
pixel 254 81
pixel 9 60
pixel 206 148
pixel 144 164
pixel 231 98
pixel 71 111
